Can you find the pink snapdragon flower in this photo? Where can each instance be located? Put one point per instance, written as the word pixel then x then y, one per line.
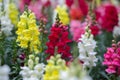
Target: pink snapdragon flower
pixel 77 29
pixel 112 59
pixel 35 6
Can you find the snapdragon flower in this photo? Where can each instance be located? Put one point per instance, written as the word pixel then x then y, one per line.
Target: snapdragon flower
pixel 28 32
pixel 86 49
pixel 53 68
pixel 63 15
pixel 75 72
pixel 5 22
pixel 33 71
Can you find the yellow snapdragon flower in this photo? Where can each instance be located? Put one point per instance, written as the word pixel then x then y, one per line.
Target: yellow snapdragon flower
pixel 63 15
pixel 13 13
pixel 53 68
pixel 28 34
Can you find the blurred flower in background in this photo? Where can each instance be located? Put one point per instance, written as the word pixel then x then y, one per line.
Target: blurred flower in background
pixel 107 16
pixel 4 72
pixel 77 29
pixel 5 22
pixel 74 72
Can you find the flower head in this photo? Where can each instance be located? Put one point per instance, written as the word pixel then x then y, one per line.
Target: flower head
pixel 74 72
pixel 63 15
pixel 53 68
pixel 86 49
pixel 13 13
pixel 107 17
pixel 59 38
pixel 34 70
pixel 112 59
pixel 28 34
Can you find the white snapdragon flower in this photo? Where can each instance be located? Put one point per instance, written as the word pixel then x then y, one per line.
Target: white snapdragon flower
pixel 66 76
pixel 32 74
pixel 116 31
pixel 4 72
pixel 86 49
pixel 5 22
pixel 6 25
pixel 25 72
pixel 74 72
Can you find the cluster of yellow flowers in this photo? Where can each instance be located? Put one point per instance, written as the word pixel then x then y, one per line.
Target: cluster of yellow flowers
pixel 13 13
pixel 63 15
pixel 28 34
pixel 53 68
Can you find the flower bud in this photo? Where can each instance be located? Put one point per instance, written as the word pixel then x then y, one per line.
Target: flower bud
pixel 31 56
pixel 59 61
pixel 36 60
pixel 58 56
pixel 45 31
pixel 30 63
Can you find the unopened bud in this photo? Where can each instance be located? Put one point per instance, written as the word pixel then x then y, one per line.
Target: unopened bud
pixel 30 63
pixel 31 56
pixel 36 60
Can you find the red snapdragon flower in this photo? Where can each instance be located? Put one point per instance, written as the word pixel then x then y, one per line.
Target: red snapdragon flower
pixel 59 38
pixel 107 17
pixel 94 29
pixel 69 2
pixel 83 6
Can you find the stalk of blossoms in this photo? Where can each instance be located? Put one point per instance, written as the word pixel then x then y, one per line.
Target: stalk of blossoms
pixel 28 33
pixel 6 25
pixel 61 10
pixel 112 59
pixel 43 38
pixel 59 38
pixel 33 69
pixel 53 68
pixel 86 49
pixel 13 13
pixel 75 71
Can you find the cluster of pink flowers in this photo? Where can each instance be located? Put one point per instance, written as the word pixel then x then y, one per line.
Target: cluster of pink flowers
pixel 35 6
pixel 112 59
pixel 77 29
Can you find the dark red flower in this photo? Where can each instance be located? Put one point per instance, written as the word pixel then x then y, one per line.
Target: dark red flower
pixel 47 3
pixel 94 30
pixel 69 2
pixel 59 38
pixel 27 2
pixel 83 6
pixel 107 17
